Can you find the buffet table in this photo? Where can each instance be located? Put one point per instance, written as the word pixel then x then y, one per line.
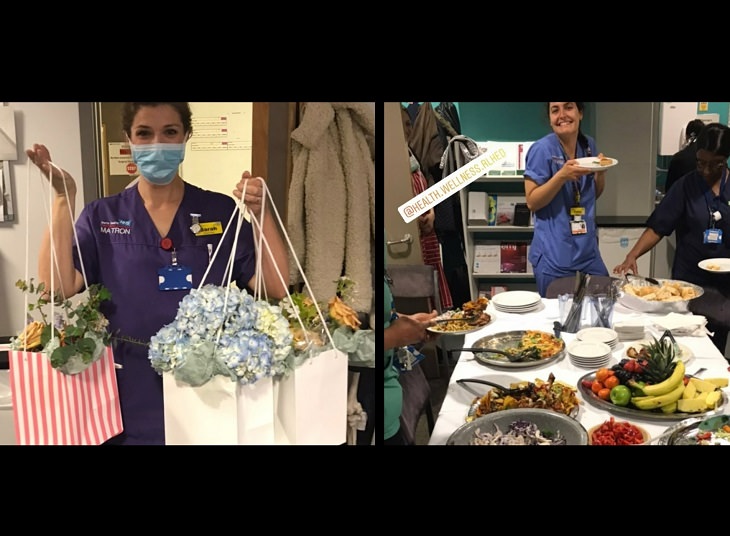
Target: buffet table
pixel 459 397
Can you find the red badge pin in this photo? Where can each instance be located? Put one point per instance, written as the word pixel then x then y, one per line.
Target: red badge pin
pixel 166 244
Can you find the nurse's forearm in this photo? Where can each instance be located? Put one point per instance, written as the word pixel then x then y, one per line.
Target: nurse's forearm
pixel 65 280
pixel 600 183
pixel 648 239
pixel 279 258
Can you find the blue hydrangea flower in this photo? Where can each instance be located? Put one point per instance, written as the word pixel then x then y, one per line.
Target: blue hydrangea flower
pixel 222 330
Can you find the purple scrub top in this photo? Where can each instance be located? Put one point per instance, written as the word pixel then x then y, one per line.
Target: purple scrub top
pixel 121 249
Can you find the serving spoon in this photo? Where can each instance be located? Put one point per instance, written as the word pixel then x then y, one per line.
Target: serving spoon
pixel 502 388
pixel 647 279
pixel 514 357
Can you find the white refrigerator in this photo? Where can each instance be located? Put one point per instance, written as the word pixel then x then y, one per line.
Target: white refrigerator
pixel 615 242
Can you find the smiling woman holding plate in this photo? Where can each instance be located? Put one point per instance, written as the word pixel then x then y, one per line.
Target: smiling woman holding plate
pixel 562 184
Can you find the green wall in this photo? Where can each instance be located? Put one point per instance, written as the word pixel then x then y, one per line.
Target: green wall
pixel 511 121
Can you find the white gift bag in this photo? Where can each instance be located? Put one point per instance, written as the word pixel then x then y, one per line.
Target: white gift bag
pixel 220 412
pixel 311 402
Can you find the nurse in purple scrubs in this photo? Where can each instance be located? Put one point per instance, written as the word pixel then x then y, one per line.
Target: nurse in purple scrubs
pixel 149 245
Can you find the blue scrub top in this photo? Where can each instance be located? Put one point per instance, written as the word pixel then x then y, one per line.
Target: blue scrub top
pixel 553 243
pixel 685 210
pixel 121 250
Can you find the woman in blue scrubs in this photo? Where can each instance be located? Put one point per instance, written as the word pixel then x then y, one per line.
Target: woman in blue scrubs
pixel 696 209
pixel 130 241
pixel 563 197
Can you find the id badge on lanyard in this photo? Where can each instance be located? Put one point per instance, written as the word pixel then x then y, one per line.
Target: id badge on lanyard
pixel 712 234
pixel 577 212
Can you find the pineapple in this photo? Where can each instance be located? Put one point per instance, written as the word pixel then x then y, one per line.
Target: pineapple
pixel 662 358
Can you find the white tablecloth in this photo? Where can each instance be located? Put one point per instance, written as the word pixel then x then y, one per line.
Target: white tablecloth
pixel 459 397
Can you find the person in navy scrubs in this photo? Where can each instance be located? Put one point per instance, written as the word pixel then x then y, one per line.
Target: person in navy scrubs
pixel 696 209
pixel 149 245
pixel 563 197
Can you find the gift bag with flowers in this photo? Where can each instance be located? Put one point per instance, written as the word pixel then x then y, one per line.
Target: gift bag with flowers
pixel 312 393
pixel 62 373
pixel 217 359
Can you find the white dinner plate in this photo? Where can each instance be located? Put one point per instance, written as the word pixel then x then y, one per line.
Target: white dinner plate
pixel 435 328
pixel 588 350
pixel 604 335
pixel 516 299
pixel 592 163
pixel 721 265
pixel 685 354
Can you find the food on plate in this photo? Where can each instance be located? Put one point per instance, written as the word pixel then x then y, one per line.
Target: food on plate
pixel 518 433
pixel 667 292
pixel 613 432
pixel 712 266
pixel 473 315
pixel 550 394
pixel 604 161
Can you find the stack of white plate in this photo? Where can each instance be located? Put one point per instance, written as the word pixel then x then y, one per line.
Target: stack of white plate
pixel 604 335
pixel 629 330
pixel 516 301
pixel 589 354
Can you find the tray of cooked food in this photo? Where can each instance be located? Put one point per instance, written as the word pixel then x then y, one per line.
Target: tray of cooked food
pixel 548 395
pixel 533 347
pixel 669 296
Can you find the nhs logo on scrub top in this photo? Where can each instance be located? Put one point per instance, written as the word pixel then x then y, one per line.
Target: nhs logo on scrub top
pixel 116 227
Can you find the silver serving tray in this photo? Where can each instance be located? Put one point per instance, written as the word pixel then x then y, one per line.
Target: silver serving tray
pixel 685 432
pixel 593 399
pixel 545 419
pixel 647 306
pixel 506 340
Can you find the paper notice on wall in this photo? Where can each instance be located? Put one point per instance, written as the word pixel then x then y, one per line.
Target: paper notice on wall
pixel 8 145
pixel 120 158
pixel 2 195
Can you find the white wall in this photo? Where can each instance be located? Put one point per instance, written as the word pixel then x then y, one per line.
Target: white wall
pixel 56 125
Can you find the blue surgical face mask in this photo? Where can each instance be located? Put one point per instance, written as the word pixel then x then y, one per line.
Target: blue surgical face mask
pixel 158 162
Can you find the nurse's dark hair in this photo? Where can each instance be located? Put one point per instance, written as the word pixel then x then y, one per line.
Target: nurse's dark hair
pixel 130 109
pixel 581 137
pixel 715 137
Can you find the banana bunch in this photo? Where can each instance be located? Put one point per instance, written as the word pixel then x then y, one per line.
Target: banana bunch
pixel 662 394
pixel 30 339
pixel 343 314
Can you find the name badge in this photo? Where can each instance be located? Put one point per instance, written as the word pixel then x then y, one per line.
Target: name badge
pixel 577 211
pixel 578 227
pixel 175 277
pixel 713 236
pixel 209 228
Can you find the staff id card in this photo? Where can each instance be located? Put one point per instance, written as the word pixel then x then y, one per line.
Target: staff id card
pixel 175 277
pixel 713 236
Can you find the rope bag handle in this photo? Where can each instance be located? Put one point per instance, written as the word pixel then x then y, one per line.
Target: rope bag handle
pixel 259 245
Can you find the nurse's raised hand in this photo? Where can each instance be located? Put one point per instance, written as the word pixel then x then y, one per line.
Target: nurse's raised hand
pixel 253 196
pixel 41 157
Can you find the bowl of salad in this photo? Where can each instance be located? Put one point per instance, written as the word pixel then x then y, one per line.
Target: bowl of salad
pixel 521 426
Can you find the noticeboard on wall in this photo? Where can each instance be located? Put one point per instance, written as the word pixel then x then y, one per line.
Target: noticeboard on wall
pixel 220 148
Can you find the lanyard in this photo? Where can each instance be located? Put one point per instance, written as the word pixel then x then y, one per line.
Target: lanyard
pixel 710 198
pixel 576 189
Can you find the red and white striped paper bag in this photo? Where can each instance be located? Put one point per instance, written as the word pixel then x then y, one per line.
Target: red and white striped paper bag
pixel 53 408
